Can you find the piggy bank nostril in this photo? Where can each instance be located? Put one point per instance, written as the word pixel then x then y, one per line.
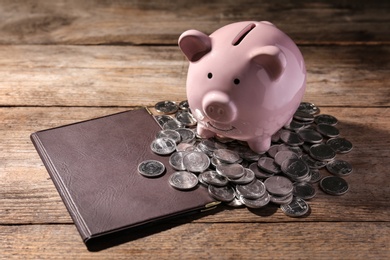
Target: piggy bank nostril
pixel 210 109
pixel 215 110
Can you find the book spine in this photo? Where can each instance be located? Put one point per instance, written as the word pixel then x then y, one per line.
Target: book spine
pixel 63 192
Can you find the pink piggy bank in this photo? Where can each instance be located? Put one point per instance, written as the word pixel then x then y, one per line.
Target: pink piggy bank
pixel 245 81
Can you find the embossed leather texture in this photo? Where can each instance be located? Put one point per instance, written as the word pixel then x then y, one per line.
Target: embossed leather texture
pixel 93 165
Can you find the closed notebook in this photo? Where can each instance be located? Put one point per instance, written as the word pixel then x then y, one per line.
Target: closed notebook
pixel 93 165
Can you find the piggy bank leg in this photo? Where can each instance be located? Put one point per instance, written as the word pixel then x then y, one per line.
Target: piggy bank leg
pixel 204 132
pixel 260 145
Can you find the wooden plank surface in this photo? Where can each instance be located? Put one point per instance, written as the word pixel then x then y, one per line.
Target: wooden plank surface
pixel 30 197
pixel 161 22
pixel 66 61
pixel 351 240
pixel 136 76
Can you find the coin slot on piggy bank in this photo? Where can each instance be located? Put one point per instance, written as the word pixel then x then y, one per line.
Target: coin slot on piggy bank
pixel 244 81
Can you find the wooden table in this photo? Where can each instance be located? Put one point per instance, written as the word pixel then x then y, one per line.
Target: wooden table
pixel 67 61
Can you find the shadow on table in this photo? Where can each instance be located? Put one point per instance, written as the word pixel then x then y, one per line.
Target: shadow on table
pixel 369 190
pixel 121 237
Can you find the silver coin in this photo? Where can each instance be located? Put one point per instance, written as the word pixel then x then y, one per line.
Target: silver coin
pixel 291 138
pixel 340 145
pixel 220 145
pixel 208 146
pixel 231 171
pixel 245 164
pixel 173 125
pixel 248 177
pixel 304 190
pixel 163 146
pixel 256 203
pixel 303 116
pixel 295 169
pixel 260 174
pixel 187 135
pixel 151 168
pixel 196 161
pixel 268 164
pixel 213 178
pixel 162 119
pixel 223 139
pixel 172 134
pixel 306 147
pixel 325 119
pixel 315 176
pixel 184 147
pixel 201 181
pixel 176 161
pixel 185 118
pixel 334 185
pixel 235 203
pixel 295 149
pixel 281 156
pixel 322 152
pixel 278 185
pixel 276 136
pixel 312 163
pixel 309 108
pixel 215 162
pixel 191 148
pixel 296 208
pixel 281 200
pixel 183 105
pixel 254 190
pixel 247 154
pixel 166 107
pixel 328 130
pixel 225 193
pixel 226 156
pixel 183 180
pixel 310 136
pixel 294 125
pixel 273 150
pixel 339 168
pixel 307 178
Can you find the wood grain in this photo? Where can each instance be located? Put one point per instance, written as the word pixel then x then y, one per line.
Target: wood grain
pixel 161 22
pixel 136 76
pixel 28 195
pixel 65 61
pixel 349 240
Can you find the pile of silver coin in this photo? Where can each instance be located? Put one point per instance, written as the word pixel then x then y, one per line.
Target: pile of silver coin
pixel 285 175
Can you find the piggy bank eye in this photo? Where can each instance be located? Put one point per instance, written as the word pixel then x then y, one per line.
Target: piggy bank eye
pixel 236 81
pixel 210 75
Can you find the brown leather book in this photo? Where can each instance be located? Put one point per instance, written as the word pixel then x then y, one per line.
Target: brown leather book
pixel 93 165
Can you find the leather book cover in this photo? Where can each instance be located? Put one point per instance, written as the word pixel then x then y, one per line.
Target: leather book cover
pixel 93 165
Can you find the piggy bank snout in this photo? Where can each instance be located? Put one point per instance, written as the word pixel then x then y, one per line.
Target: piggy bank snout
pixel 218 107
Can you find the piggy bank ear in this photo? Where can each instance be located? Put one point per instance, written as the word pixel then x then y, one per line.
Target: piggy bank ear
pixel 194 44
pixel 272 59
